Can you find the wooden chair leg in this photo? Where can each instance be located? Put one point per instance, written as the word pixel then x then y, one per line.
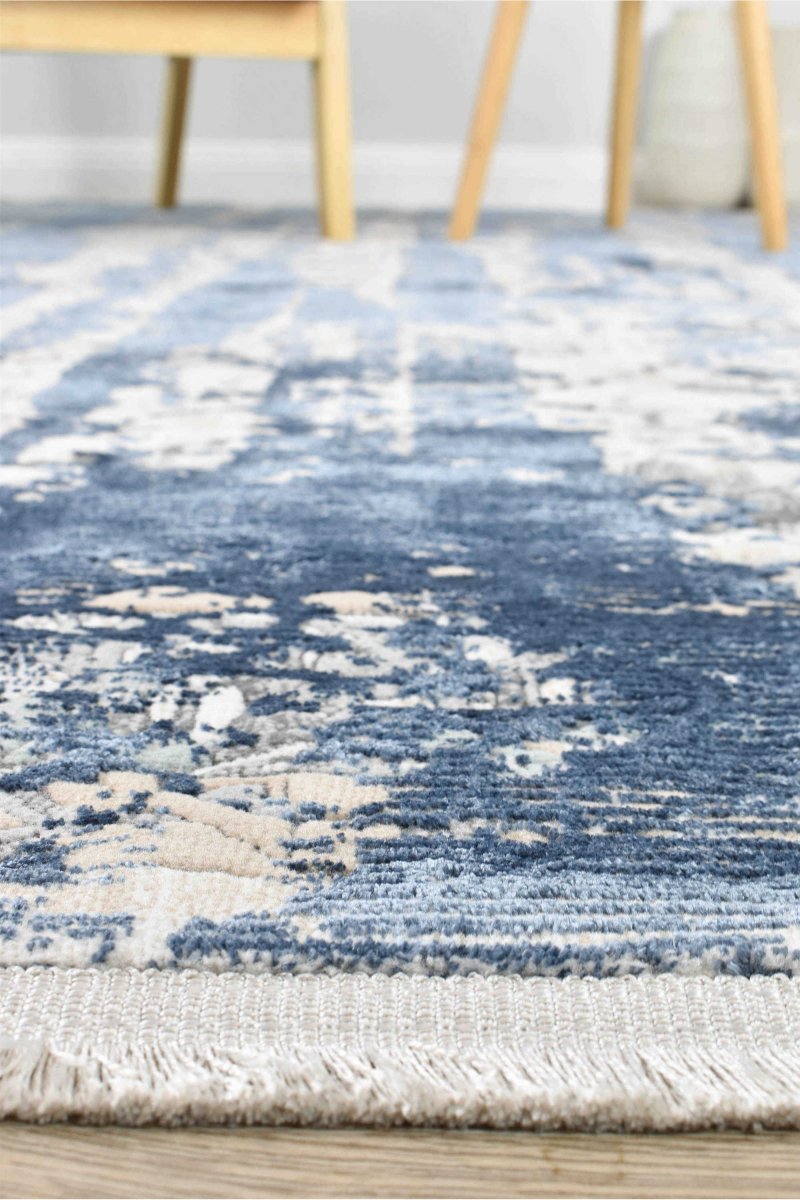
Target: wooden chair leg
pixel 762 104
pixel 497 72
pixel 178 71
pixel 333 136
pixel 626 97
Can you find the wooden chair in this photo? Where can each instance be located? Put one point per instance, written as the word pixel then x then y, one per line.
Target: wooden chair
pixel 756 56
pixel 314 30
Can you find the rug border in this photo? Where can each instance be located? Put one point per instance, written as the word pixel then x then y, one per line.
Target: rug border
pixel 644 1054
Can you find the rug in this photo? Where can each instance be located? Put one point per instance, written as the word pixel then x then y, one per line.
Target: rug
pixel 402 672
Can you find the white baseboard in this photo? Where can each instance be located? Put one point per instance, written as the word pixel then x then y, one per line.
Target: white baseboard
pixel 280 174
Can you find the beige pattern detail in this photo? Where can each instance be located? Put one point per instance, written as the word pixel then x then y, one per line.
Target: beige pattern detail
pixel 204 848
pixel 119 783
pixel 169 601
pixel 351 603
pixel 451 571
pixel 174 857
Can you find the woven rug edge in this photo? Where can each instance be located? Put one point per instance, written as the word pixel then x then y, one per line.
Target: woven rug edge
pixel 651 1053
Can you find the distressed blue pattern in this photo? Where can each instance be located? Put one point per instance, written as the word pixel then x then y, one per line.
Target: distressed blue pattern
pixel 402 605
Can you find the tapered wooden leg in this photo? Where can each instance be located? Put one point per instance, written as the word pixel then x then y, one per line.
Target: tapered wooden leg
pixel 623 123
pixel 332 109
pixel 762 104
pixel 497 72
pixel 178 71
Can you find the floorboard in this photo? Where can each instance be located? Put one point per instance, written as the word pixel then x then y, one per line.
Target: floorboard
pixel 69 1161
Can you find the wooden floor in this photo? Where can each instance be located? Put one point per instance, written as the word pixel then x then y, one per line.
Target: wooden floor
pixel 74 1162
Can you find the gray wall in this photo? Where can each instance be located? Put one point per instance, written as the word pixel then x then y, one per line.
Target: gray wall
pixel 83 125
pixel 414 67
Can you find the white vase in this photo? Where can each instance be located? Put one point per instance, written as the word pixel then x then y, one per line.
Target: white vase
pixel 694 137
pixel 786 47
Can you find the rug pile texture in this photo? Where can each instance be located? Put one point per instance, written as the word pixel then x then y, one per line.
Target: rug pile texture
pixel 401 661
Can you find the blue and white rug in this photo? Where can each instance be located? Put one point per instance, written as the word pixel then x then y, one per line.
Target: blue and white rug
pixel 402 610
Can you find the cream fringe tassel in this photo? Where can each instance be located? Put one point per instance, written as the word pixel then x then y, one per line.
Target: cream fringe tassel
pixel 647 1053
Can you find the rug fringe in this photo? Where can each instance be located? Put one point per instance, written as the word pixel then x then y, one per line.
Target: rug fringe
pixel 651 1054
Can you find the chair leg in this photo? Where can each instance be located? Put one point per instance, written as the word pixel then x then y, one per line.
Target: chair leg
pixel 333 136
pixel 497 72
pixel 178 71
pixel 762 105
pixel 626 96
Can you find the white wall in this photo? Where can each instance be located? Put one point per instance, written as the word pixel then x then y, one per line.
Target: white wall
pixel 82 125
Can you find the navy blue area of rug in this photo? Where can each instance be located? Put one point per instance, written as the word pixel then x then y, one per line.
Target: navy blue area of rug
pixel 399 606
